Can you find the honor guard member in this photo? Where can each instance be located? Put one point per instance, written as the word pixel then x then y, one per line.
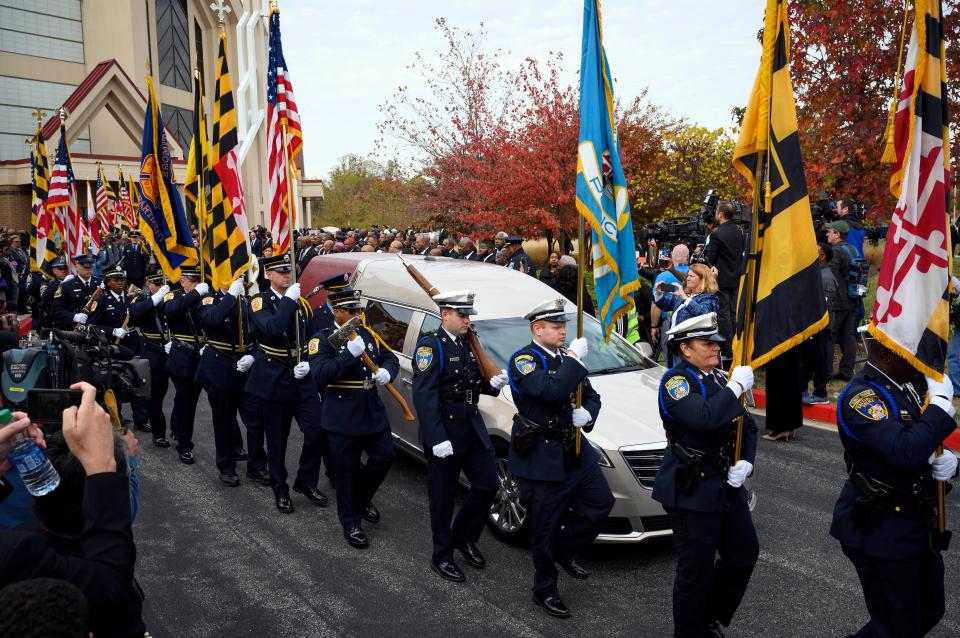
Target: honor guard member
pixel 135 259
pixel 447 385
pixel 146 313
pixel 29 300
pixel 42 311
pixel 518 257
pixel 886 516
pixel 699 485
pixel 353 413
pixel 109 312
pixel 75 292
pixel 223 370
pixel 182 309
pixel 565 493
pixel 324 313
pixel 283 386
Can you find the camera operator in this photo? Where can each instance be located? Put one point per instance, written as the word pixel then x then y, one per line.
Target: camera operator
pixel 848 212
pixel 724 251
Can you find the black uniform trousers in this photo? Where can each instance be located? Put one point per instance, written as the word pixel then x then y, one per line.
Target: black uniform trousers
pixel 251 412
pixel 277 417
pixel 443 479
pixel 707 588
pixel 152 411
pixel 843 329
pixel 817 362
pixel 224 406
pixel 565 518
pixel 905 598
pixel 186 395
pixel 357 482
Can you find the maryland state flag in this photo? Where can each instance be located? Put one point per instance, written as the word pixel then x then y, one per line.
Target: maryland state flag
pixel 198 164
pixel 781 301
pixel 911 312
pixel 163 221
pixel 42 248
pixel 227 218
pixel 601 186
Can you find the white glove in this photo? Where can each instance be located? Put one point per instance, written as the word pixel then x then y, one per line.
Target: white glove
pixel 737 474
pixel 382 377
pixel 578 348
pixel 167 347
pixel 301 370
pixel 944 467
pixel 80 317
pixel 500 380
pixel 581 417
pixel 202 289
pixel 120 333
pixel 245 363
pixel 355 346
pixel 102 286
pixel 443 450
pixel 293 292
pixel 941 394
pixel 157 297
pixel 67 278
pixel 741 380
pixel 236 288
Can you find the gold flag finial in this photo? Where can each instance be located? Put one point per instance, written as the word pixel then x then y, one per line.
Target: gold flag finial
pixel 274 6
pixel 38 115
pixel 62 112
pixel 221 9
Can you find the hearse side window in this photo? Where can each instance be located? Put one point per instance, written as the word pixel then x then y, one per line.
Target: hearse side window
pixel 389 321
pixel 430 324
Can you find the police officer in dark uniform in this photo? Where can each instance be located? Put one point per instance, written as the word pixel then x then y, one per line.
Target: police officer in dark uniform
pixel 146 313
pixel 283 386
pixel 446 389
pixel 698 483
pixel 353 413
pixel 109 312
pixel 182 309
pixel 564 492
pixel 135 259
pixel 70 300
pixel 518 257
pixel 43 305
pixel 886 516
pixel 224 364
pixel 324 312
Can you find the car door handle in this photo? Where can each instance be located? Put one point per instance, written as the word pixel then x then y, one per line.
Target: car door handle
pixel 407 381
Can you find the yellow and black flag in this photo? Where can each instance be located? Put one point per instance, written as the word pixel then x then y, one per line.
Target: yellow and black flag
pixel 781 301
pixel 198 165
pixel 226 238
pixel 42 248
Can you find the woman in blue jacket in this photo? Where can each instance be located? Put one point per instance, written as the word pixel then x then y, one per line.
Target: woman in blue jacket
pixel 698 297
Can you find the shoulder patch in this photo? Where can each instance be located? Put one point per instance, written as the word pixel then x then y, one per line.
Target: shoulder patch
pixel 59 292
pixel 867 404
pixel 424 357
pixel 207 301
pixel 677 387
pixel 524 363
pixel 169 296
pixel 93 306
pixel 257 303
pixel 314 346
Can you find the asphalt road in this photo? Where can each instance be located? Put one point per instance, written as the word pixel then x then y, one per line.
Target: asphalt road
pixel 219 561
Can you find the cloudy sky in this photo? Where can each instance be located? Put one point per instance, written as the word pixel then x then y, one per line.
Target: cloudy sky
pixel 697 57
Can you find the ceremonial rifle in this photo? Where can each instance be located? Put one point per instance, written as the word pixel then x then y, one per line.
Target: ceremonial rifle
pixel 132 291
pixel 488 367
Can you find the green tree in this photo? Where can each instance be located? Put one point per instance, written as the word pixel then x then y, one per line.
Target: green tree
pixel 360 192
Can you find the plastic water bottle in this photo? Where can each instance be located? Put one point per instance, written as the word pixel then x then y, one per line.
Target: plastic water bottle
pixel 35 468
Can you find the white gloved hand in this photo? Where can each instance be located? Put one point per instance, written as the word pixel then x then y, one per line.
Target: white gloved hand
pixel 581 417
pixel 202 289
pixel 944 467
pixel 355 346
pixel 941 394
pixel 500 380
pixel 67 278
pixel 102 286
pixel 80 317
pixel 157 297
pixel 120 333
pixel 293 292
pixel 245 363
pixel 741 380
pixel 236 288
pixel 443 450
pixel 739 472
pixel 202 349
pixel 578 348
pixel 382 377
pixel 167 347
pixel 301 370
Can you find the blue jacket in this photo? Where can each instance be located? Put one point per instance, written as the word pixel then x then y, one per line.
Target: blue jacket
pixel 153 328
pixel 221 316
pixel 275 354
pixel 68 300
pixel 182 310
pixel 696 305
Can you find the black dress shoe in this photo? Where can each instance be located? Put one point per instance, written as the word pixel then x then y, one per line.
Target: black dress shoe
pixel 259 476
pixel 356 537
pixel 229 479
pixel 552 604
pixel 371 514
pixel 448 570
pixel 573 568
pixel 241 455
pixel 471 554
pixel 313 495
pixel 284 504
pixel 187 457
pixel 142 427
pixel 161 441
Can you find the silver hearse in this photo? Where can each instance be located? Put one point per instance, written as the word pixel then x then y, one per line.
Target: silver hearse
pixel 628 435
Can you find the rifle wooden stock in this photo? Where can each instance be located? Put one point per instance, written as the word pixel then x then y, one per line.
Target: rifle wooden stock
pixel 407 414
pixel 132 291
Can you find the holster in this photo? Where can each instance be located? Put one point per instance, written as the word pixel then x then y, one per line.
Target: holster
pixel 523 432
pixel 688 468
pixel 868 507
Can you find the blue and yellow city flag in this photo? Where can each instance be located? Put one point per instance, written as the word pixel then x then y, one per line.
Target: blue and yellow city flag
pixel 163 221
pixel 601 186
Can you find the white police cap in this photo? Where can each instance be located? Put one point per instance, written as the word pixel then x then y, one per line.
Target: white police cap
pixel 699 327
pixel 553 310
pixel 459 300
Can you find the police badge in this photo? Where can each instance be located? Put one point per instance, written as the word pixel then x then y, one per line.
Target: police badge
pixel 524 363
pixel 424 357
pixel 677 387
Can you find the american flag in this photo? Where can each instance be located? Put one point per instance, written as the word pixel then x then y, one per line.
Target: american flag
pixel 92 231
pixel 125 219
pixel 104 205
pixel 282 148
pixel 62 200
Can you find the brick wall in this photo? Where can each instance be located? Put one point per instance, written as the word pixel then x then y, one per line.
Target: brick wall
pixel 15 207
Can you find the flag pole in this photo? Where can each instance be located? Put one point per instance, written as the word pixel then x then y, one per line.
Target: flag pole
pixel 581 247
pixel 291 248
pixel 198 157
